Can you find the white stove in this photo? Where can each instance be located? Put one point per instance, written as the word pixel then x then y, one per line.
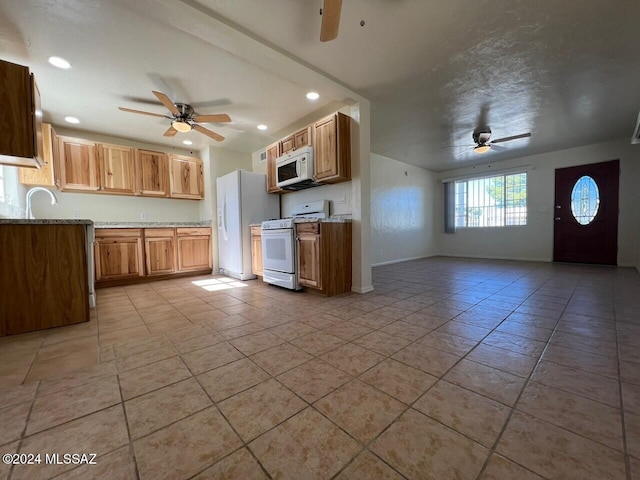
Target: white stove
pixel 279 245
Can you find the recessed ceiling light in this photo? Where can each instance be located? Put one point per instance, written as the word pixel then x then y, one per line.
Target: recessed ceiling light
pixel 59 62
pixel 73 120
pixel 313 95
pixel 187 142
pixel 262 127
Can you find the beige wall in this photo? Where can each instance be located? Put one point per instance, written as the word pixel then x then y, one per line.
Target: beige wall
pixel 403 211
pixel 535 240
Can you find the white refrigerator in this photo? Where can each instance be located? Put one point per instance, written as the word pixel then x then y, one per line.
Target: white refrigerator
pixel 242 200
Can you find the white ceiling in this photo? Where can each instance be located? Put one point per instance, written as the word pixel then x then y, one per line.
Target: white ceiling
pixel 565 70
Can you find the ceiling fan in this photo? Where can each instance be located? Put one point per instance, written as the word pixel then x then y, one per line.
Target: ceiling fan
pixel 184 118
pixel 481 138
pixel 330 12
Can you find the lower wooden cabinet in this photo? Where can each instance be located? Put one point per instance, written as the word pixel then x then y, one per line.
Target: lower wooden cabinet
pixel 323 255
pixel 118 254
pixel 256 250
pixel 159 250
pixel 194 249
pixel 126 253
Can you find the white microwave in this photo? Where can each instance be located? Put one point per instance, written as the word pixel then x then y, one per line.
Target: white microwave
pixel 294 167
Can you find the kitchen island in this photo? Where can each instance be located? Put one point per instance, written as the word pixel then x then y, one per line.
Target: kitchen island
pixel 45 279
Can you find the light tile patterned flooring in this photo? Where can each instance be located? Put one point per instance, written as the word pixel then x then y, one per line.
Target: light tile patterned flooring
pixel 451 368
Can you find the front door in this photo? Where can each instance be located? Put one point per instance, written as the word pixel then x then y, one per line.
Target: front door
pixel 586 214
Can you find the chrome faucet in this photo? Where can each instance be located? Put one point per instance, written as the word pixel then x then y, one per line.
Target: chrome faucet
pixel 54 200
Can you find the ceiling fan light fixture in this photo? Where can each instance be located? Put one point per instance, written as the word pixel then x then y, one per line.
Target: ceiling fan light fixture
pixel 181 126
pixel 482 148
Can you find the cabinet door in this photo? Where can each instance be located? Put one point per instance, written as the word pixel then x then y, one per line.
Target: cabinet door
pixel 159 254
pixel 332 149
pixel 186 177
pixel 256 254
pixel 287 145
pixel 152 173
pixel 302 138
pixel 79 168
pixel 45 176
pixel 194 253
pixel 117 169
pixel 309 260
pixel 118 258
pixel 273 152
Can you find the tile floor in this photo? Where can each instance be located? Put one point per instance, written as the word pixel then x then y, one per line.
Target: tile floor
pixel 450 369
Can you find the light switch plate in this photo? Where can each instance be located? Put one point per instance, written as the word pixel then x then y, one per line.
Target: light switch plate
pixel 143 215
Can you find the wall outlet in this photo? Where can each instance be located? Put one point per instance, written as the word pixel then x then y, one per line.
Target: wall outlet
pixel 76 214
pixel 143 215
pixel 341 198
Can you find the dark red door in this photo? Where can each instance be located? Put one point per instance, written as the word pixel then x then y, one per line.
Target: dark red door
pixel 586 214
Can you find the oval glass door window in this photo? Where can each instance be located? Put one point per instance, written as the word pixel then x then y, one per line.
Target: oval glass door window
pixel 585 200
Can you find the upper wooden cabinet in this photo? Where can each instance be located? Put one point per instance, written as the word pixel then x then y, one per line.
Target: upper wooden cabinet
pixel 186 177
pixel 48 175
pixel 332 149
pixel 273 152
pixel 301 138
pixel 117 169
pixel 20 117
pixel 79 165
pixel 152 173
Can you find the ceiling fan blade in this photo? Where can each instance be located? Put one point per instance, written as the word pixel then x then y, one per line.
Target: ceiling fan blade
pixel 514 137
pixel 466 150
pixel 498 148
pixel 220 118
pixel 208 133
pixel 166 102
pixel 330 19
pixel 458 146
pixel 130 110
pixel 171 132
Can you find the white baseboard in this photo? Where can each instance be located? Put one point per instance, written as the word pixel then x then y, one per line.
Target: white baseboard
pixel 487 257
pixel 400 260
pixel 366 289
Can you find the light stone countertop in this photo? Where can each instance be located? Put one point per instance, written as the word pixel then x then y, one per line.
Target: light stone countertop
pixel 45 221
pixel 206 223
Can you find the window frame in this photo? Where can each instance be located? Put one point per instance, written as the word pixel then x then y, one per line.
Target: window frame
pixel 487 178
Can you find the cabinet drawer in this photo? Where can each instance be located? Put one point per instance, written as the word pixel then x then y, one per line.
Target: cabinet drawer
pixel 118 232
pixel 308 227
pixel 184 232
pixel 256 231
pixel 158 232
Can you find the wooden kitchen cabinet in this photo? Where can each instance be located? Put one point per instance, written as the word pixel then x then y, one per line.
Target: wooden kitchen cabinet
pixel 324 256
pixel 273 152
pixel 299 139
pixel 159 250
pixel 256 250
pixel 332 149
pixel 117 169
pixel 118 253
pixel 43 279
pixel 48 175
pixel 186 177
pixel 194 249
pixel 152 173
pixel 79 166
pixel 20 117
pixel 309 254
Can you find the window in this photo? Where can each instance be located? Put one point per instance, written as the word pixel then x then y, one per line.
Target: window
pixel 491 201
pixel 2 199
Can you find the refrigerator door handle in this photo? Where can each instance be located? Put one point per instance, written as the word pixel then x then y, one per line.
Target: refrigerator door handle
pixel 224 220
